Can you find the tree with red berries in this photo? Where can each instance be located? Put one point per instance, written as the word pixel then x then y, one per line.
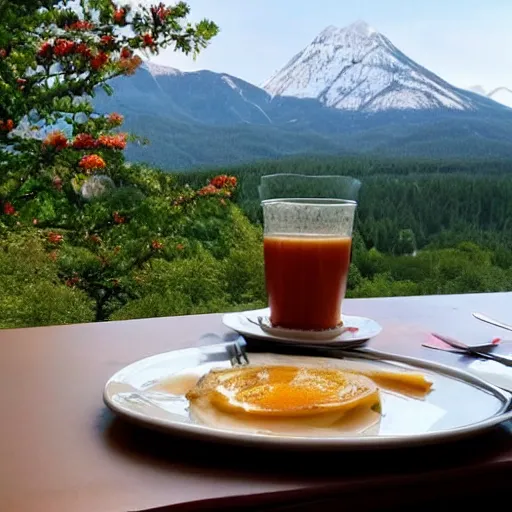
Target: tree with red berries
pixel 118 238
pixel 53 57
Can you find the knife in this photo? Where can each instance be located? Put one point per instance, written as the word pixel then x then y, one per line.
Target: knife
pixel 491 321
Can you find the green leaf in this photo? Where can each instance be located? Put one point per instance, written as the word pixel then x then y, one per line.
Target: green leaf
pixel 78 181
pixel 108 89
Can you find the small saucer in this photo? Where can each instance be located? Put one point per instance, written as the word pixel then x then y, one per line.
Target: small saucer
pixel 326 334
pixel 256 324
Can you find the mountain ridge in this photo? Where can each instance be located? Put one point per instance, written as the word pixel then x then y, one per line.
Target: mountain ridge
pixel 203 118
pixel 501 94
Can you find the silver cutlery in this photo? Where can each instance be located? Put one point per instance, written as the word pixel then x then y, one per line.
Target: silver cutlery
pixel 468 349
pixel 497 323
pixel 483 347
pixel 237 354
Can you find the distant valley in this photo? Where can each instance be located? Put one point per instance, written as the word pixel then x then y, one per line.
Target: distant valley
pixel 351 91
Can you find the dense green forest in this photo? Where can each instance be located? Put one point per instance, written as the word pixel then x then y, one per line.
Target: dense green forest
pixel 442 203
pixel 423 227
pixel 178 244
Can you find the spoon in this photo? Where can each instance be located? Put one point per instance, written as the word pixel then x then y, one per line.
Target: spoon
pixel 491 321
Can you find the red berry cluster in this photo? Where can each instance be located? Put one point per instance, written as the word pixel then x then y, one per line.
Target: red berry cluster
pixel 56 140
pixel 8 208
pixel 6 126
pixel 107 40
pixel 84 141
pixel 65 48
pixel 45 51
pixel 126 53
pixel 160 12
pixel 92 162
pixel 119 219
pixel 220 185
pixel 223 181
pixel 80 25
pixel 72 281
pixel 83 50
pixel 113 141
pixel 209 190
pixel 55 238
pixel 115 119
pixel 99 60
pixel 148 40
pixel 120 16
pixel 129 65
pixel 87 141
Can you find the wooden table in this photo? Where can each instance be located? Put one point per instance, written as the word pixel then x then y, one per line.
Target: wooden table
pixel 62 450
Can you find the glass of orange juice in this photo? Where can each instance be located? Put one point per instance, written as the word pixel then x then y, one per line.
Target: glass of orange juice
pixel 307 246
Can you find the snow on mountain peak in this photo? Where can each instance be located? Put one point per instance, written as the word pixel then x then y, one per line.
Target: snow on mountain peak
pixel 357 68
pixel 157 70
pixel 358 29
pixel 362 28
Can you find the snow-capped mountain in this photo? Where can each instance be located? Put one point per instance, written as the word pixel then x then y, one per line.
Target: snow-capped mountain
pixel 502 95
pixel 357 68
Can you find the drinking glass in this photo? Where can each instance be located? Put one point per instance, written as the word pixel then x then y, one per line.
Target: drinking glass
pixel 275 186
pixel 307 245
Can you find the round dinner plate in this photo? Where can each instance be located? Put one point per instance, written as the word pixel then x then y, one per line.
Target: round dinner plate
pixel 458 405
pixel 356 330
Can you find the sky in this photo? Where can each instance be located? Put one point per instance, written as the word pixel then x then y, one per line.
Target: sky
pixel 466 42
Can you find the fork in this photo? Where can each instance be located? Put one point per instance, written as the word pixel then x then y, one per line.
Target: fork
pixel 237 354
pixel 507 361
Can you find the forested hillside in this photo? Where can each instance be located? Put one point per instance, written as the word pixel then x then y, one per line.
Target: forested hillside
pixel 423 226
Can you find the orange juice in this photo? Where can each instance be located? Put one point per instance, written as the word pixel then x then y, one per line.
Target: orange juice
pixel 306 280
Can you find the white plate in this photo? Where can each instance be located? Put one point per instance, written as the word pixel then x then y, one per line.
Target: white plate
pixel 459 404
pixel 246 322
